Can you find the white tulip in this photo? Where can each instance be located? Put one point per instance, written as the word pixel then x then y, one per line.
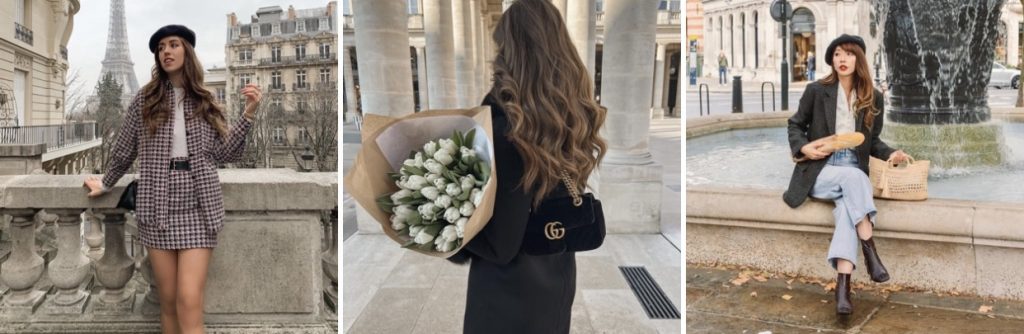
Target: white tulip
pixel 467 209
pixel 423 237
pixel 443 157
pixel 448 247
pixel 409 162
pixel 419 159
pixel 428 211
pixel 400 195
pixel 416 182
pixel 452 215
pixel 443 201
pixel 434 167
pixel 449 233
pixel 449 145
pixel 440 183
pixel 415 229
pixel 430 148
pixel 405 211
pixel 453 190
pixel 431 177
pixel 476 196
pixel 467 183
pixel 398 223
pixel 430 192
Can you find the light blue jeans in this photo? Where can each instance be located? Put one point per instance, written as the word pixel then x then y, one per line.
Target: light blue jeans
pixel 847 185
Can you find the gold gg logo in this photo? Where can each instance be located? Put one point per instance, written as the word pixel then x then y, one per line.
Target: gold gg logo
pixel 554 231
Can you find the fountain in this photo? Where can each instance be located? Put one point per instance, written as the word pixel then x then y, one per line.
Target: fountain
pixel 939 55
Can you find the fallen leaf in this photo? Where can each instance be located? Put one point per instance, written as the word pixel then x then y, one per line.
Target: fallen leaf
pixel 787 297
pixel 991 316
pixel 760 278
pixel 753 294
pixel 789 287
pixel 765 332
pixel 954 293
pixel 824 301
pixel 739 281
pixel 985 309
pixel 790 281
pixel 830 287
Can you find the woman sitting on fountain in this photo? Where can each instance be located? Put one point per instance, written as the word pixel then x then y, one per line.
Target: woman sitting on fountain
pixel 824 110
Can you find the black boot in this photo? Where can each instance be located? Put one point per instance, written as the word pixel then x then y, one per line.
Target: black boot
pixel 874 264
pixel 843 304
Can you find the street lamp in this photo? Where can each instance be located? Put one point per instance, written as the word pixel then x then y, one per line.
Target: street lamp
pixel 782 12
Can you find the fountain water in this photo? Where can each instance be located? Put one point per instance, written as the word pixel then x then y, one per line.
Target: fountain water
pixel 939 57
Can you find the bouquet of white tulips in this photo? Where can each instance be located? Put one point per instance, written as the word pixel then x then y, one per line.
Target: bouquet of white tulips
pixel 441 186
pixel 427 178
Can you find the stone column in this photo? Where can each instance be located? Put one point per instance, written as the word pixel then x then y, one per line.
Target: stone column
pixel 382 41
pixel 351 100
pixel 24 267
pixel 483 63
pixel 581 20
pixel 437 26
pixel 472 18
pixel 463 39
pixel 421 77
pixel 677 110
pixel 657 108
pixel 115 268
pixel 630 180
pixel 70 267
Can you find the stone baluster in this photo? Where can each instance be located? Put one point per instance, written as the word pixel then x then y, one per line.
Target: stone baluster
pixel 115 268
pixel 70 268
pixel 94 237
pixel 330 260
pixel 152 303
pixel 24 267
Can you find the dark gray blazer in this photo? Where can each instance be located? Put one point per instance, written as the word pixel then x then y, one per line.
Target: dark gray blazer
pixel 816 118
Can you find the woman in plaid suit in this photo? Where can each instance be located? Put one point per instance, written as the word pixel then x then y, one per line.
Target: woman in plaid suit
pixel 180 134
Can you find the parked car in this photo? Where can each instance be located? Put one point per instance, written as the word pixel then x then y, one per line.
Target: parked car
pixel 1004 77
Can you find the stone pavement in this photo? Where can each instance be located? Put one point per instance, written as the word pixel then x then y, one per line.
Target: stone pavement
pixel 780 304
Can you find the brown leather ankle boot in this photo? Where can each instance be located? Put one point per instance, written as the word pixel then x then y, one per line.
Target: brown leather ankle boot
pixel 874 264
pixel 843 304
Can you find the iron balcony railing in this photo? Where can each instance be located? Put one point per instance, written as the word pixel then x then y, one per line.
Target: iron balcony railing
pixel 309 58
pixel 22 33
pixel 54 136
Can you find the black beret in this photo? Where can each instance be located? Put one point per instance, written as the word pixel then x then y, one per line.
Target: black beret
pixel 171 30
pixel 842 40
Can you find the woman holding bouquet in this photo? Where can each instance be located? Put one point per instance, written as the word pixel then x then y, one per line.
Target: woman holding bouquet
pixel 179 132
pixel 545 120
pixel 844 102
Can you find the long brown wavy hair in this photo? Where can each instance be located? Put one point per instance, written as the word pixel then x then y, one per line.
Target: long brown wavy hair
pixel 862 84
pixel 548 96
pixel 156 111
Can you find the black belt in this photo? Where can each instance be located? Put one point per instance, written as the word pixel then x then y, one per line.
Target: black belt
pixel 180 165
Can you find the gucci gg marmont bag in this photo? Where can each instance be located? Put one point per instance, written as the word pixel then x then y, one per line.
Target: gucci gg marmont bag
pixel 573 223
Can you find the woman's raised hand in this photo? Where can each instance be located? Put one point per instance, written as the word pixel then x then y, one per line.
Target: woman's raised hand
pixel 253 95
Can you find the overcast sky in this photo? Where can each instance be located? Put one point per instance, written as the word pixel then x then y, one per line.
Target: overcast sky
pixel 208 18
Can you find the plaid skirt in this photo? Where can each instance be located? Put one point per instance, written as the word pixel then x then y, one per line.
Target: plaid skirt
pixel 186 225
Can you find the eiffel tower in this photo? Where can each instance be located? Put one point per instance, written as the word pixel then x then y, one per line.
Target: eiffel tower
pixel 118 61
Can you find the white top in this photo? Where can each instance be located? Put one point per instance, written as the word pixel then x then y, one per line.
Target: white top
pixel 844 111
pixel 179 143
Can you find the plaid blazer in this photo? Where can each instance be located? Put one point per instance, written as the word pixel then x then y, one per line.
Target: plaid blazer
pixel 206 149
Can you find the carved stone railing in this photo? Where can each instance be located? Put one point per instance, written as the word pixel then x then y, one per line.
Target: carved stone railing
pixel 274 269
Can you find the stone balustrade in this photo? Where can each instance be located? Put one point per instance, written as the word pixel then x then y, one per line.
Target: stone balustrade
pixel 274 270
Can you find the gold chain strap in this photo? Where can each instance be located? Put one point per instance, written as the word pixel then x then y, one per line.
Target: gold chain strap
pixel 577 200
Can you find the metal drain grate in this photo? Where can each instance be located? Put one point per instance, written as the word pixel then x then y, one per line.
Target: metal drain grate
pixel 654 300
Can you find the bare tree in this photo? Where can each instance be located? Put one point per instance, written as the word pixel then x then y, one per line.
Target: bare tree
pixel 317 115
pixel 74 95
pixel 260 143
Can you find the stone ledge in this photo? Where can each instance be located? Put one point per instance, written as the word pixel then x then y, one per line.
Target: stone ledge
pixel 941 244
pixel 244 190
pixel 696 127
pixel 22 150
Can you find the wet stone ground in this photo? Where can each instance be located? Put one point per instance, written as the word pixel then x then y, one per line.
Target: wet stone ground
pixel 743 301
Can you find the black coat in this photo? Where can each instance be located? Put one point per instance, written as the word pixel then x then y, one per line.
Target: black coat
pixel 511 292
pixel 816 118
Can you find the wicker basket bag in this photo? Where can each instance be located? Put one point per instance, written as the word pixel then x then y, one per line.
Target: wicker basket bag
pixel 906 181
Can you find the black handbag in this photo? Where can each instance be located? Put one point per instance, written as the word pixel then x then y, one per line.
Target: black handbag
pixel 128 196
pixel 573 223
